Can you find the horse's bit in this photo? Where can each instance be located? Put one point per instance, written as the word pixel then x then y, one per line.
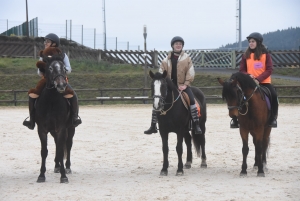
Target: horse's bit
pixel 164 112
pixel 243 101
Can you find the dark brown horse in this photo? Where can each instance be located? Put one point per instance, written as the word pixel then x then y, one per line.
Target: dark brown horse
pixel 174 117
pixel 249 105
pixel 53 115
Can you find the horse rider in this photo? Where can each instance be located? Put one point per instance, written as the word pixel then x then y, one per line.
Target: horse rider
pixel 52 40
pixel 257 62
pixel 180 69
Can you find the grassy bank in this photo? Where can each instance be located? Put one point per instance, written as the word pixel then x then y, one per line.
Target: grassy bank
pixel 20 74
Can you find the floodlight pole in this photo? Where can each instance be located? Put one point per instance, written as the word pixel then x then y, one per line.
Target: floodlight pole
pixel 145 56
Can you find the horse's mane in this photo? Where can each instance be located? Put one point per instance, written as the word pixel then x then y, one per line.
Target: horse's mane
pixel 171 85
pixel 244 79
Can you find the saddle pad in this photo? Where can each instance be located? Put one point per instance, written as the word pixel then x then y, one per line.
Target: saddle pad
pixel 186 102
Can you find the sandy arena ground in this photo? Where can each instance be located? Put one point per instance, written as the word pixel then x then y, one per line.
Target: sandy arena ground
pixel 113 160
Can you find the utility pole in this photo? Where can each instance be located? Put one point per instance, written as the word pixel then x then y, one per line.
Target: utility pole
pixel 145 49
pixel 104 25
pixel 239 23
pixel 27 20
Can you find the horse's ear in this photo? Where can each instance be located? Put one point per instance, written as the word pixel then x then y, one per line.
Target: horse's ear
pixel 220 81
pixel 233 82
pixel 151 74
pixel 164 74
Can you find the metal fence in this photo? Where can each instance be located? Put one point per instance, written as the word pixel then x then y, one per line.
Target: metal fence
pixel 86 36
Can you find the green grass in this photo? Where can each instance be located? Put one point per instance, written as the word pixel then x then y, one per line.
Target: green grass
pixel 20 74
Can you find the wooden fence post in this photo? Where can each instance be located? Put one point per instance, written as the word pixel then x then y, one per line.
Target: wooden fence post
pixel 34 51
pixel 155 59
pixel 99 56
pixel 233 59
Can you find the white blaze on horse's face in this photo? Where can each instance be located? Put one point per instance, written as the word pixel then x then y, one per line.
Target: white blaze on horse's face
pixel 157 93
pixel 59 82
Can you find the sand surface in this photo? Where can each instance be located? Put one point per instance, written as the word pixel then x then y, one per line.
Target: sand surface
pixel 113 160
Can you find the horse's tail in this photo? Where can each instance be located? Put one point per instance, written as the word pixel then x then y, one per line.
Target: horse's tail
pixel 196 142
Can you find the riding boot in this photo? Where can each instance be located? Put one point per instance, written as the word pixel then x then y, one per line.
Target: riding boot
pixel 234 123
pixel 31 123
pixel 74 111
pixel 194 113
pixel 153 128
pixel 273 118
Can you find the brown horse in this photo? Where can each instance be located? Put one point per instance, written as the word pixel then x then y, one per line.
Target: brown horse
pixel 245 101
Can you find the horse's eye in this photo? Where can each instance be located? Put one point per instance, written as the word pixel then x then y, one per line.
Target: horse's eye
pixel 50 68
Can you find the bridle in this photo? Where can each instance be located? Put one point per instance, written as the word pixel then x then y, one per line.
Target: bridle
pixel 162 99
pixel 53 79
pixel 243 101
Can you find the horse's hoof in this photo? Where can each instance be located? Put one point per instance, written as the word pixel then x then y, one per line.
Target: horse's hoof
pixel 204 165
pixel 261 174
pixel 163 173
pixel 188 165
pixel 57 170
pixel 68 171
pixel 243 174
pixel 64 180
pixel 41 179
pixel 179 173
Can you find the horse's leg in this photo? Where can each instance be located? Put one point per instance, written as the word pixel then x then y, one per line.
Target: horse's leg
pixel 245 151
pixel 60 146
pixel 44 154
pixel 266 141
pixel 69 143
pixel 165 149
pixel 202 145
pixel 189 154
pixel 259 150
pixel 179 154
pixel 56 159
pixel 255 166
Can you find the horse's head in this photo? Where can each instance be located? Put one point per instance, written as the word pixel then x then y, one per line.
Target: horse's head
pixel 235 89
pixel 55 73
pixel 159 89
pixel 230 95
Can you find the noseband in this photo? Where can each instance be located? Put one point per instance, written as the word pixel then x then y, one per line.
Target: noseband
pixel 243 101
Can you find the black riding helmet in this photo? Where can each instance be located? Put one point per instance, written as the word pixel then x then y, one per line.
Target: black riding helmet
pixel 255 35
pixel 176 39
pixel 54 38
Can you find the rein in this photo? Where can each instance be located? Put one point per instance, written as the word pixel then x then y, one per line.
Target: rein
pixel 243 101
pixel 164 112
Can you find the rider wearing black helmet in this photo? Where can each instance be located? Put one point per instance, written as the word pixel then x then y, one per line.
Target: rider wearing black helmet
pixel 257 62
pixel 180 69
pixel 52 40
pixel 55 41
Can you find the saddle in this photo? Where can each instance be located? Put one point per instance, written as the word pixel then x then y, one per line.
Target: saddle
pixel 186 102
pixel 266 95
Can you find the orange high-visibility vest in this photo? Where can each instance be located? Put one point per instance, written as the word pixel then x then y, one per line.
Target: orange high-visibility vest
pixel 257 67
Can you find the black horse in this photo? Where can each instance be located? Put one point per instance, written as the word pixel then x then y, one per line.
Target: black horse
pixel 246 101
pixel 53 115
pixel 174 117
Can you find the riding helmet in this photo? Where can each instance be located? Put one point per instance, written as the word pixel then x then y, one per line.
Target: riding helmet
pixel 255 35
pixel 54 38
pixel 175 39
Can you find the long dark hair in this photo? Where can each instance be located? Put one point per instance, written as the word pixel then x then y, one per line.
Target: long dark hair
pixel 258 51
